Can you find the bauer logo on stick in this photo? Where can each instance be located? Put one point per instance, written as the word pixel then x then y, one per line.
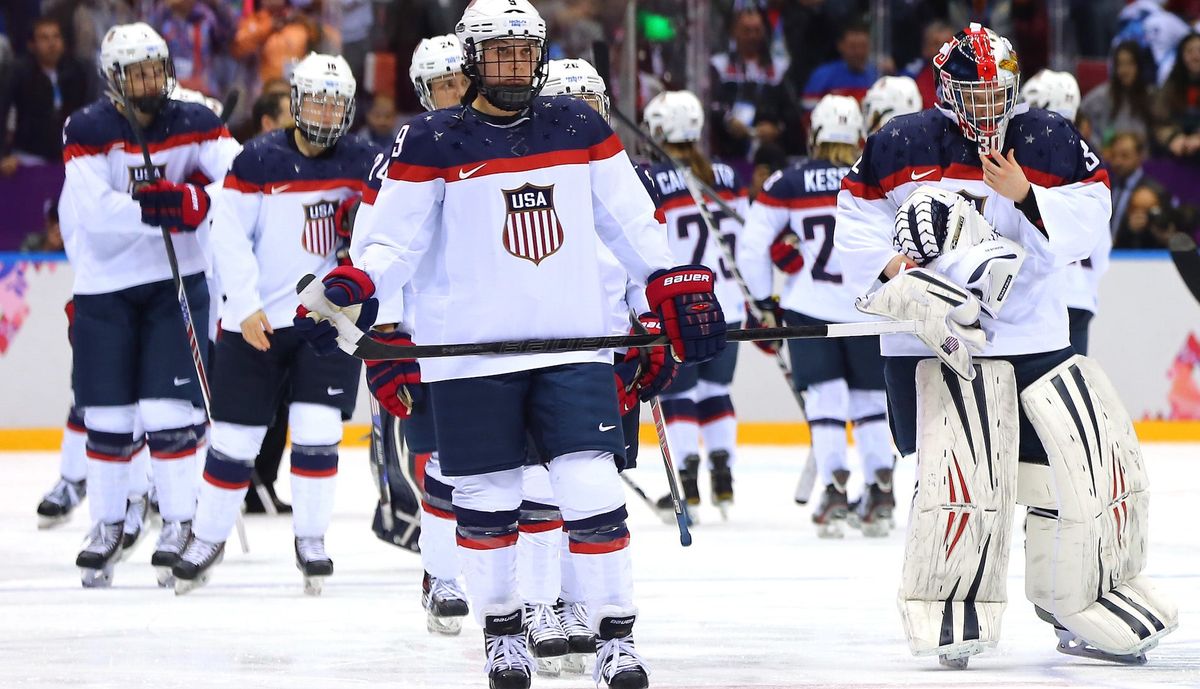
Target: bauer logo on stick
pixel 531 227
pixel 320 231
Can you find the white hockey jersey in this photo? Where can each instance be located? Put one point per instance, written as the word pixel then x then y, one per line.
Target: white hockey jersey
pixel 274 221
pixel 1070 186
pixel 510 214
pixel 111 248
pixel 805 197
pixel 1083 278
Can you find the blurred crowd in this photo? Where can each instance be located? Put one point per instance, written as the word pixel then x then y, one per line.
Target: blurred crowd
pixel 1138 64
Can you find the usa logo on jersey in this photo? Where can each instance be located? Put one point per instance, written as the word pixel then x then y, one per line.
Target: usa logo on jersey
pixel 320 233
pixel 140 175
pixel 531 228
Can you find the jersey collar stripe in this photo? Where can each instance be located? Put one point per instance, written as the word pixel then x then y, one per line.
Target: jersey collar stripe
pixel 75 150
pixel 818 201
pixel 286 186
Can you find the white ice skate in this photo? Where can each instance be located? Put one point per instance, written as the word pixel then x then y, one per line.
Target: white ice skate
pixel 193 568
pixel 509 664
pixel 580 638
pixel 313 563
pixel 171 541
pixel 57 505
pixel 445 605
pixel 135 526
pixel 546 638
pixel 100 555
pixel 618 664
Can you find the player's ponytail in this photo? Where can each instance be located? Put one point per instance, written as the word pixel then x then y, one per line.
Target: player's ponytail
pixel 689 154
pixel 839 154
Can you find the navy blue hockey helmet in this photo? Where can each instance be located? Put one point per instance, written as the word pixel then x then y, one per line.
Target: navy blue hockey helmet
pixel 979 79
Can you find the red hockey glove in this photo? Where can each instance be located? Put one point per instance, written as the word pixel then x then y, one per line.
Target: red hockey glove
pixel 397 383
pixel 772 317
pixel 785 252
pixel 346 285
pixel 177 207
pixel 343 223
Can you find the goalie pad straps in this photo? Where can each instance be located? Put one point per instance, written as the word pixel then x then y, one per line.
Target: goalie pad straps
pixel 1086 528
pixel 952 591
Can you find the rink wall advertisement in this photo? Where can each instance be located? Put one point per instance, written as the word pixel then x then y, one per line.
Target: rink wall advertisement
pixel 1147 337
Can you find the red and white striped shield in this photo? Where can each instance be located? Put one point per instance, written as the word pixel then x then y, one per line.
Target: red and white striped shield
pixel 320 234
pixel 531 228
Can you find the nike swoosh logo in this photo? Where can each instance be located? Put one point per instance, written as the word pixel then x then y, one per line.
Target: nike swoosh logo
pixel 463 174
pixel 334 391
pixel 604 428
pixel 280 188
pixel 923 175
pixel 182 381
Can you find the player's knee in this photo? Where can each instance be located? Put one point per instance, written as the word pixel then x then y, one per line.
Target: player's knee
pixel 586 484
pixel 437 496
pixel 498 491
pixel 867 406
pixel 601 533
pixel 829 399
pixel 314 424
pixel 172 443
pixel 238 442
pixel 162 414
pixel 535 484
pixel 707 389
pixel 538 517
pixel 121 419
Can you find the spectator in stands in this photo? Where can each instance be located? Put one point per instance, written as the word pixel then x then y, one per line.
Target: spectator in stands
pixel 921 70
pixel 809 32
pixel 1149 221
pixel 50 238
pixel 273 110
pixel 1124 156
pixel 277 35
pixel 1178 109
pixel 380 127
pixel 47 85
pixel 197 32
pixel 89 21
pixel 750 107
pixel 852 75
pixel 1125 102
pixel 357 18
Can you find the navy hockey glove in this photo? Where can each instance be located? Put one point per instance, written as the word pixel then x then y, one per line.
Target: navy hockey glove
pixel 396 383
pixel 772 317
pixel 323 335
pixel 346 285
pixel 691 316
pixel 177 207
pixel 785 252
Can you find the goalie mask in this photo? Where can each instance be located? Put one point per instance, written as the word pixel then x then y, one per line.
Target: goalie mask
pixel 578 79
pixel 675 117
pixel 436 65
pixel 978 79
pixel 136 66
pixel 323 98
pixel 1054 91
pixel 504 51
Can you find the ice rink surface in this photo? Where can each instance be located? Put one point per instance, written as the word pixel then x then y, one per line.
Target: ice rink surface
pixel 758 601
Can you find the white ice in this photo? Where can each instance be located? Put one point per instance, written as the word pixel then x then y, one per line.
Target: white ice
pixel 758 601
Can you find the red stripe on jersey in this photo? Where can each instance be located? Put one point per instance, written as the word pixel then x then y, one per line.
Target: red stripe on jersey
pixel 238 184
pixel 926 173
pixel 406 172
pixel 606 149
pixel 369 195
pixel 131 147
pixel 599 548
pixel 985 63
pixel 683 201
pixel 808 202
pixel 300 186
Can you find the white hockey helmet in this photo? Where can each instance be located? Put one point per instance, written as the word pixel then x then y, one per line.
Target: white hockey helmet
pixel 325 82
pixel 577 78
pixel 979 80
pixel 489 20
pixel 675 117
pixel 440 56
pixel 836 120
pixel 126 45
pixel 887 98
pixel 1055 91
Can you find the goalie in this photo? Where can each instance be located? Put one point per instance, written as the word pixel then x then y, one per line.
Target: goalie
pixel 969 213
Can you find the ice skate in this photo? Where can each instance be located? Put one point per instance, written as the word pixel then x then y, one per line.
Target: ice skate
pixel 872 513
pixel 580 639
pixel 171 542
pixel 1070 644
pixel 57 505
pixel 830 515
pixel 690 489
pixel 546 638
pixel 100 555
pixel 618 664
pixel 135 526
pixel 194 567
pixel 313 563
pixel 509 664
pixel 445 605
pixel 721 478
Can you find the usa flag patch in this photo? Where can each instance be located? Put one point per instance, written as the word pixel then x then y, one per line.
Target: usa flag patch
pixel 320 233
pixel 531 227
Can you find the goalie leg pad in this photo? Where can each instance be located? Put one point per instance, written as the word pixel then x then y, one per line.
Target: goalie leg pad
pixel 1086 528
pixel 952 593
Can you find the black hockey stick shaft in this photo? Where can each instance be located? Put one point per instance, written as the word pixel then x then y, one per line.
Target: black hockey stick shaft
pixel 180 293
pixel 229 105
pixel 1187 261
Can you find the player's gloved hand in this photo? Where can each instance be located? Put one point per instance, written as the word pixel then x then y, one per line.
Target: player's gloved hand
pixel 772 317
pixel 626 373
pixel 395 383
pixel 785 252
pixel 343 224
pixel 691 317
pixel 948 315
pixel 346 285
pixel 177 207
pixel 656 369
pixel 322 334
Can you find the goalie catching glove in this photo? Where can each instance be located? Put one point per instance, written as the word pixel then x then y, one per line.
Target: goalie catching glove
pixel 948 315
pixel 691 316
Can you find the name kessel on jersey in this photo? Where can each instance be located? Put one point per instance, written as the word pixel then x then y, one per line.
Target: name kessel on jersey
pixel 531 227
pixel 140 174
pixel 320 232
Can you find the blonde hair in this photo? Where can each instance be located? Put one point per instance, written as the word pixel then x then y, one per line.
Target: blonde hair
pixel 841 154
pixel 689 153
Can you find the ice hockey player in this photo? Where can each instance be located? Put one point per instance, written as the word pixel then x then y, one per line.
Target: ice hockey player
pixel 132 356
pixel 843 377
pixel 1030 420
pixel 510 197
pixel 698 403
pixel 889 97
pixel 273 223
pixel 1059 92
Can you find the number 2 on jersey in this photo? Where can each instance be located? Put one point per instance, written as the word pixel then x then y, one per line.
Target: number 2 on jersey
pixel 682 229
pixel 825 223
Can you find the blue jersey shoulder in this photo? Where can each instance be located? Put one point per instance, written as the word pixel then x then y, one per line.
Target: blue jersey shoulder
pixel 1050 144
pixel 94 125
pixel 274 157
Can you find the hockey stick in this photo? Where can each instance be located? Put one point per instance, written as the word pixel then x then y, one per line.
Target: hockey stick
pixel 1187 261
pixel 379 466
